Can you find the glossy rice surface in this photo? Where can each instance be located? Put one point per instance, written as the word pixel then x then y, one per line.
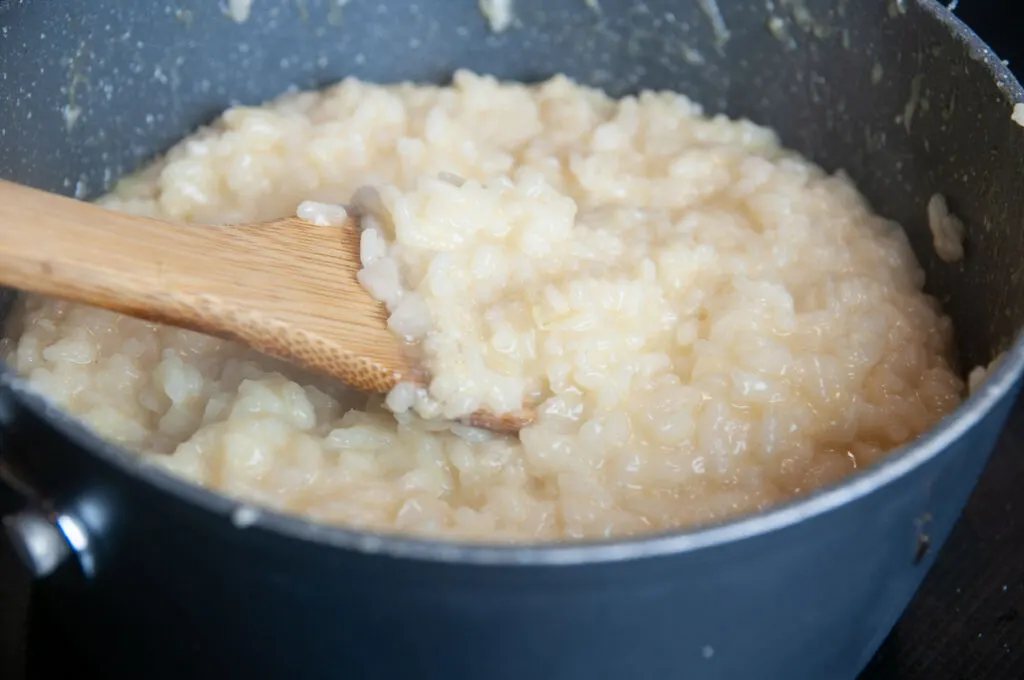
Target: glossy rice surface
pixel 708 323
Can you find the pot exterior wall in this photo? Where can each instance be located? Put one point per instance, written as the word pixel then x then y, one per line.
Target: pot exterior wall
pixel 180 593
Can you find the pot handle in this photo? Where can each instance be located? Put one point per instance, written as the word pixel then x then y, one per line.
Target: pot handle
pixel 12 498
pixel 15 491
pixel 42 537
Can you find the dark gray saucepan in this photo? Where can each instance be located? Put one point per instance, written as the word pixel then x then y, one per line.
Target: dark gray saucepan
pixel 162 584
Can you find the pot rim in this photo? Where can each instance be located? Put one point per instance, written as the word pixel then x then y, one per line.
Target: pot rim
pixel 898 463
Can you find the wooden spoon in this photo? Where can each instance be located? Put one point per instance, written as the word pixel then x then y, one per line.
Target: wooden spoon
pixel 287 288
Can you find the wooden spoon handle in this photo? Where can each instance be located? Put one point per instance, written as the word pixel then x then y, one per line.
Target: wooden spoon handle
pixel 80 252
pixel 287 288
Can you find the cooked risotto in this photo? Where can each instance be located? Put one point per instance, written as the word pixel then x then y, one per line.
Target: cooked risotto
pixel 706 323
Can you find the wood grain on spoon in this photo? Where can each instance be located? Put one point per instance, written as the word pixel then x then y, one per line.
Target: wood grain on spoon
pixel 287 288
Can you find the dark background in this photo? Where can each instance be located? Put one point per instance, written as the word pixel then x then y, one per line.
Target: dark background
pixel 966 623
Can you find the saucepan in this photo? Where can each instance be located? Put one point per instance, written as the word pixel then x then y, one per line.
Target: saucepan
pixel 158 581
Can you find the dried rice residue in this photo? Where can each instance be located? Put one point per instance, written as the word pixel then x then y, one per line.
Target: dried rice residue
pixel 498 14
pixel 947 230
pixel 977 377
pixel 1018 114
pixel 239 10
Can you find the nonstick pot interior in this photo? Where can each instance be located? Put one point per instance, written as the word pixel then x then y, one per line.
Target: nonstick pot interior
pixel 895 93
pixel 880 89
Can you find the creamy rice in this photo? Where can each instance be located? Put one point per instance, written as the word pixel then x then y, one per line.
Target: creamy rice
pixel 707 323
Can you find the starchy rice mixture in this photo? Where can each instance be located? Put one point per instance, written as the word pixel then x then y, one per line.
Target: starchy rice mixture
pixel 707 323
